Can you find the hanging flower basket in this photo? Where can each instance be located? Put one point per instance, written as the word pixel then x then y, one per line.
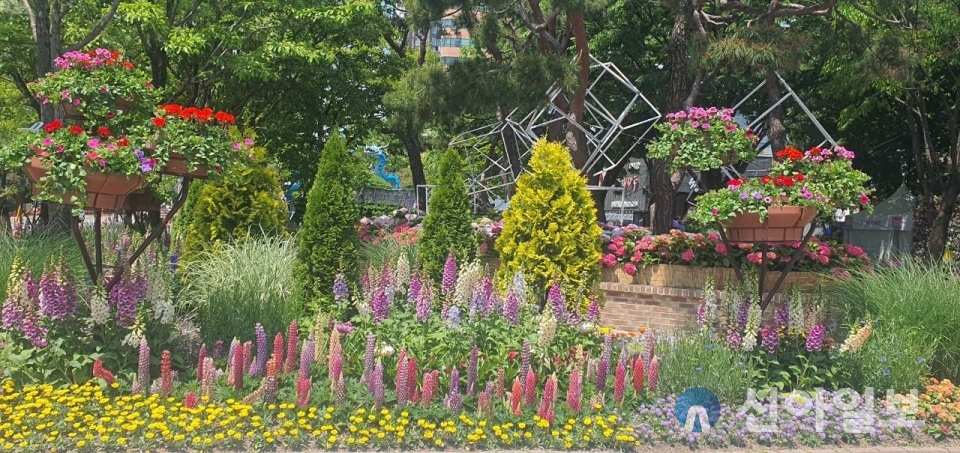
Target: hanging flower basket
pixel 105 191
pixel 783 224
pixel 71 111
pixel 34 170
pixel 177 166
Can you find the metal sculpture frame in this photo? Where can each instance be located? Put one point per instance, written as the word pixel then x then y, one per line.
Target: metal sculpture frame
pixel 602 129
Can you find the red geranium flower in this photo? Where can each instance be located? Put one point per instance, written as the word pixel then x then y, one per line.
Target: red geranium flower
pixel 789 154
pixel 172 109
pixel 103 131
pixel 128 65
pixel 224 118
pixel 815 151
pixel 205 114
pixel 799 177
pixel 766 179
pixel 52 126
pixel 159 122
pixel 76 130
pixel 115 54
pixel 123 141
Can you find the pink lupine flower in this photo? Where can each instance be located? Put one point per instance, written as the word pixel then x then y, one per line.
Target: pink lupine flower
pixel 237 369
pixel 546 410
pixel 638 375
pixel 530 389
pixel 190 400
pixel 292 342
pixel 278 348
pixel 619 382
pixel 654 373
pixel 166 375
pixel 516 397
pixel 303 392
pixel 575 390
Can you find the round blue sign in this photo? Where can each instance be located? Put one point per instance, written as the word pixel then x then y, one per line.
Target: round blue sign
pixel 697 409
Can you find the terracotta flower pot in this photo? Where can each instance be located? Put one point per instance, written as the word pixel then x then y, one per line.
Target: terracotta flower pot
pixel 107 191
pixel 177 166
pixel 71 111
pixel 783 224
pixel 34 169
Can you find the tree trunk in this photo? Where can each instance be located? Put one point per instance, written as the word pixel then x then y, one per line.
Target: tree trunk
pixel 661 184
pixel 574 138
pixel 411 142
pixel 939 231
pixel 776 132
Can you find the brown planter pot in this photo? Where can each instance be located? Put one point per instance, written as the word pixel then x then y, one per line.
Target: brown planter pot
pixel 34 170
pixel 107 191
pixel 70 111
pixel 177 166
pixel 784 224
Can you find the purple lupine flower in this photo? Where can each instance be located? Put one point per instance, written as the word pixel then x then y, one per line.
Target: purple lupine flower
pixel 573 318
pixel 606 352
pixel 307 354
pixel 815 338
pixel 413 293
pixel 602 370
pixel 233 350
pixel 217 349
pixel 369 354
pixel 472 370
pixel 51 296
pixel 453 317
pixel 593 311
pixel 424 301
pixel 781 316
pixel 743 313
pixel 453 401
pixel 260 366
pixel 555 297
pixel 340 290
pixel 511 309
pixel 376 385
pixel 379 306
pixel 449 280
pixel 489 297
pixel 770 339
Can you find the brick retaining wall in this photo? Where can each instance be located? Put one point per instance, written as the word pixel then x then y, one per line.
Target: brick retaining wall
pixel 629 307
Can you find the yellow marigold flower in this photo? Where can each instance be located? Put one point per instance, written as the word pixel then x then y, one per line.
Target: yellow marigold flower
pixel 81 443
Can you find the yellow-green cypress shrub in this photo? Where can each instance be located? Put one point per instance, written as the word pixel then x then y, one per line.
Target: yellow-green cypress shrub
pixel 245 201
pixel 550 231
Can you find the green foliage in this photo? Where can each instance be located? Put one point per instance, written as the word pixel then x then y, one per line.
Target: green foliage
pixel 446 227
pixel 328 242
pixel 233 288
pixel 387 251
pixel 701 359
pixel 896 356
pixel 245 201
pixel 914 300
pixel 792 367
pixel 550 230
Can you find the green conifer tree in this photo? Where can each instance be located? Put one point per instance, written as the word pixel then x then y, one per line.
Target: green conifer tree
pixel 446 227
pixel 328 242
pixel 550 230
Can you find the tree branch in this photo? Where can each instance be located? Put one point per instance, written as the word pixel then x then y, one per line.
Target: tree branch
pixel 399 48
pixel 857 6
pixel 537 29
pixel 33 19
pixel 104 21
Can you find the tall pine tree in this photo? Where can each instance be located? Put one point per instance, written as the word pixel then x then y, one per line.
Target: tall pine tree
pixel 446 228
pixel 328 242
